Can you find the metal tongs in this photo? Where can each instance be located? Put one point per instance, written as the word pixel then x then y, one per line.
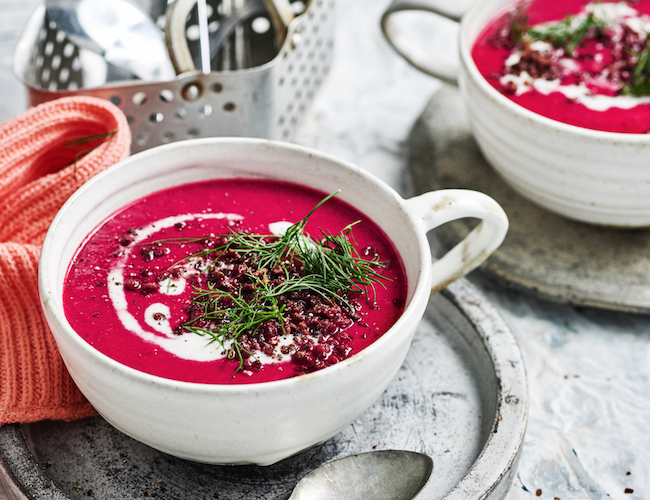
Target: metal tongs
pixel 229 32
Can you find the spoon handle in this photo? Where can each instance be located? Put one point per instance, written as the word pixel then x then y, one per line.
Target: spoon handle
pixel 281 16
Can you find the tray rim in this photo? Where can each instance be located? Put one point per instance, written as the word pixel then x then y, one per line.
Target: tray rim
pixel 492 473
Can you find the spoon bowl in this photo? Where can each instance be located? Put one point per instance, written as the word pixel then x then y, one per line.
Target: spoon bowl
pixel 118 30
pixel 380 475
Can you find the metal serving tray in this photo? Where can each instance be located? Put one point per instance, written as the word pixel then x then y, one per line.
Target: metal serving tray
pixel 543 254
pixel 460 396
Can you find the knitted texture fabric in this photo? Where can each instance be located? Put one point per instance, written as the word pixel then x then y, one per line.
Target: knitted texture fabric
pixel 42 162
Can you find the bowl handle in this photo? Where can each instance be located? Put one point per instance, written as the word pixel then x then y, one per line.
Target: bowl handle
pixel 427 52
pixel 435 208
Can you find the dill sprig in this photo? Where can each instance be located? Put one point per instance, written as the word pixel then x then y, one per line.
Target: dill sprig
pixel 77 142
pixel 331 268
pixel 569 32
pixel 518 24
pixel 229 315
pixel 240 316
pixel 639 84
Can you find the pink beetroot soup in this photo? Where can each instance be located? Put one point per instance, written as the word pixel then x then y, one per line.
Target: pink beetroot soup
pixel 138 288
pixel 575 61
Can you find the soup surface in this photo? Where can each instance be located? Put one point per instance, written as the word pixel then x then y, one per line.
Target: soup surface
pixel 579 62
pixel 216 282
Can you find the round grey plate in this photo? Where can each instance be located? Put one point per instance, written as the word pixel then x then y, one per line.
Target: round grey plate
pixel 460 396
pixel 543 253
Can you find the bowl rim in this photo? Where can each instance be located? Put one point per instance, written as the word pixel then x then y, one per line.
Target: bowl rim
pixel 54 312
pixel 467 62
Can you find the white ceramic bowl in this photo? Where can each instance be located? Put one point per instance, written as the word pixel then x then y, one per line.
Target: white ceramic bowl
pixel 265 422
pixel 587 175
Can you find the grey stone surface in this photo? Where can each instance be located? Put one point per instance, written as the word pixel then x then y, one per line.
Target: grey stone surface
pixel 588 369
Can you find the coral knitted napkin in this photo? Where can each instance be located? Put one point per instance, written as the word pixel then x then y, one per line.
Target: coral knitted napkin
pixel 41 164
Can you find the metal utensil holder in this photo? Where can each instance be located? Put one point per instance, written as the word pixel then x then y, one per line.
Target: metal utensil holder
pixel 267 101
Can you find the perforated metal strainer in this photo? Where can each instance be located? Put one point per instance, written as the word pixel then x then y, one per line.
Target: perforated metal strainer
pixel 266 101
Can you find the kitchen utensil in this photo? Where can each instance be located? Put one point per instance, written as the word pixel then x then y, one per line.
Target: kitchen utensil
pixel 233 35
pixel 118 30
pixel 380 475
pixel 266 100
pixel 281 17
pixel 204 37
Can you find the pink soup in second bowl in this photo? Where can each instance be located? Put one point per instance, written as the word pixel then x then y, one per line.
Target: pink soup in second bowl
pixel 584 63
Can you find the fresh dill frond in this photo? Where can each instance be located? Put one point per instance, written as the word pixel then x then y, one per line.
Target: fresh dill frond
pixel 639 84
pixel 568 33
pixel 331 268
pixel 228 323
pixel 518 24
pixel 78 142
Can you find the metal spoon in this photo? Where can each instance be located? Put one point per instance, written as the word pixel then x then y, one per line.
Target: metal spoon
pixel 204 37
pixel 119 30
pixel 380 475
